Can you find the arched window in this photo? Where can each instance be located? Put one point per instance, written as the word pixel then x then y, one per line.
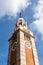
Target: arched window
pixel 26 36
pixel 14 46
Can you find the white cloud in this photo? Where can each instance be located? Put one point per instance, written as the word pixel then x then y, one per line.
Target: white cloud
pixel 12 7
pixel 37 25
pixel 39 10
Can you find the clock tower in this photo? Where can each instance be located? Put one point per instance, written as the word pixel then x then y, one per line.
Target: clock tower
pixel 22 48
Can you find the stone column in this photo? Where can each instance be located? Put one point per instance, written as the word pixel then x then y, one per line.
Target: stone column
pixel 34 52
pixel 21 49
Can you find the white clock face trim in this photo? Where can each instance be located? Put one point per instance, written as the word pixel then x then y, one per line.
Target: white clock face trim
pixel 28 45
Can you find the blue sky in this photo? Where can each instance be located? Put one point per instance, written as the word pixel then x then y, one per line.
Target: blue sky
pixel 32 12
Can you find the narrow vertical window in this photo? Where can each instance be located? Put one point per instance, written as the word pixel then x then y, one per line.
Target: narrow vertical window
pixel 14 46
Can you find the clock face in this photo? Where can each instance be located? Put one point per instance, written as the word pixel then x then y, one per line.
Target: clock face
pixel 28 45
